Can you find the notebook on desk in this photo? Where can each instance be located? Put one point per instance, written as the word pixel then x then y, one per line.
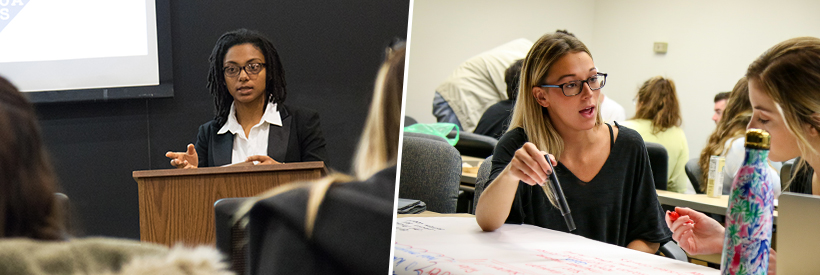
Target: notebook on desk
pixel 798 234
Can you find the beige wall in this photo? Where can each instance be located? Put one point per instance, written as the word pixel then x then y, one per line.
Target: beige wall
pixel 710 43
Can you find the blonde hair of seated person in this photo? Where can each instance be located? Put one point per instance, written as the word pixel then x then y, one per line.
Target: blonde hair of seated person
pixel 378 146
pixel 789 73
pixel 657 101
pixel 736 116
pixel 528 114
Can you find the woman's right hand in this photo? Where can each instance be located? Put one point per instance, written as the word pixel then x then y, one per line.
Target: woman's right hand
pixel 527 165
pixel 530 166
pixel 184 160
pixel 695 232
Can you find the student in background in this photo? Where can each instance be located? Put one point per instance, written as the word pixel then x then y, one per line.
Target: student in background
pixel 603 170
pixel 339 224
pixel 658 120
pixel 611 111
pixel 720 106
pixel 785 98
pixel 252 123
pixel 729 137
pixel 495 121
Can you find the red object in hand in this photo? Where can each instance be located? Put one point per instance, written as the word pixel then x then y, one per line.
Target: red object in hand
pixel 673 216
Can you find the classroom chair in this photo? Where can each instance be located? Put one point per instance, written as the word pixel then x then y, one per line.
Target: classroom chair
pixel 474 145
pixel 231 239
pixel 659 162
pixel 786 172
pixel 481 180
pixel 694 173
pixel 430 172
pixel 671 250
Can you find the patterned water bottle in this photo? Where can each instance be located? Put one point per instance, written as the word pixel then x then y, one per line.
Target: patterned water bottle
pixel 749 216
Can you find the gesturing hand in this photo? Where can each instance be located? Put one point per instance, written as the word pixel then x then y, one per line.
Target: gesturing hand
pixel 530 166
pixel 695 232
pixel 262 159
pixel 188 159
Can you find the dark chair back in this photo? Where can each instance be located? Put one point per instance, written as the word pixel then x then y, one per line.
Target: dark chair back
pixel 694 173
pixel 671 250
pixel 409 121
pixel 430 172
pixel 231 239
pixel 474 145
pixel 481 180
pixel 659 161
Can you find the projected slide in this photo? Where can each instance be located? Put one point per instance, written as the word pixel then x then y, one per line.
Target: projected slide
pixel 52 45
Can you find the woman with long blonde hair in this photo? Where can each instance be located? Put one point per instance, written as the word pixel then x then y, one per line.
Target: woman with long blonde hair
pixel 728 138
pixel 603 169
pixel 658 119
pixel 339 224
pixel 784 90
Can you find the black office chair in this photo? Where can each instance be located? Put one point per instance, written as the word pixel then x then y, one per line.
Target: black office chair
pixel 474 145
pixel 694 173
pixel 231 239
pixel 659 162
pixel 671 250
pixel 409 121
pixel 430 172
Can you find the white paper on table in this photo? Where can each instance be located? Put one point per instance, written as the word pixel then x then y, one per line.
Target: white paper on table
pixel 456 245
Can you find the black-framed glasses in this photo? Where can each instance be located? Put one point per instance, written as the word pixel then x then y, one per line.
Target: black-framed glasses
pixel 252 69
pixel 575 87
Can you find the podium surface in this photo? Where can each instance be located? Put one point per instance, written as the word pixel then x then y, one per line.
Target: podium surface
pixel 177 205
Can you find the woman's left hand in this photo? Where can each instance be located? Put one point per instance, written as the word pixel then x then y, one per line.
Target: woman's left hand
pixel 262 159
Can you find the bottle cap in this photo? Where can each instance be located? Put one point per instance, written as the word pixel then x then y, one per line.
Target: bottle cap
pixel 757 139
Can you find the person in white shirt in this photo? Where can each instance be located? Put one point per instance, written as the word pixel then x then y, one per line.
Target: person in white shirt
pixel 252 124
pixel 611 110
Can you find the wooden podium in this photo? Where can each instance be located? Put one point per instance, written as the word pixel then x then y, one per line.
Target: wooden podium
pixel 177 205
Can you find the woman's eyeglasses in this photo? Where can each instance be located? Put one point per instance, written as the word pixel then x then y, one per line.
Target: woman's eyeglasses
pixel 575 87
pixel 252 69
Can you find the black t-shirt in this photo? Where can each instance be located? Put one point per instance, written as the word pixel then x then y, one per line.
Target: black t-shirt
pixel 617 206
pixel 495 119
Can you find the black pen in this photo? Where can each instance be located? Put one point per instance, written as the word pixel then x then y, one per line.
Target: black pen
pixel 559 196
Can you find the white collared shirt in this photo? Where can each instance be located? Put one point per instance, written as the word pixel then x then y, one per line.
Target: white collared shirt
pixel 256 143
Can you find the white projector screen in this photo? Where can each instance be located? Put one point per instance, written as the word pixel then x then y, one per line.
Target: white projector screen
pixel 81 49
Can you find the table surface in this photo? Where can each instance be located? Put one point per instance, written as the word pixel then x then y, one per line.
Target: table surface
pixel 427 243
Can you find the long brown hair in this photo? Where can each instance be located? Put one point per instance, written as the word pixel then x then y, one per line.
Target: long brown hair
pixel 528 113
pixel 789 73
pixel 732 125
pixel 658 102
pixel 28 207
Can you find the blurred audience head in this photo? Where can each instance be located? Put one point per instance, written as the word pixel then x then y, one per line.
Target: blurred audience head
pixel 736 116
pixel 379 144
pixel 28 206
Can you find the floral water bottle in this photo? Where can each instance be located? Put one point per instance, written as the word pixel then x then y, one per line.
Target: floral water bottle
pixel 749 216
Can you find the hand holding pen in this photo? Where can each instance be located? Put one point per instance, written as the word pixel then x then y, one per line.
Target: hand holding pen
pixel 530 165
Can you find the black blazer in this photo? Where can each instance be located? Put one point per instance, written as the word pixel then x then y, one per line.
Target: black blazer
pixel 351 232
pixel 300 131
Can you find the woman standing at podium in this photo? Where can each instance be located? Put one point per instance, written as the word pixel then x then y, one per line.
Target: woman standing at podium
pixel 339 224
pixel 252 123
pixel 603 169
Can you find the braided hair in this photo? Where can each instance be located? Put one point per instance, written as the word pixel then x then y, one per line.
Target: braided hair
pixel 275 90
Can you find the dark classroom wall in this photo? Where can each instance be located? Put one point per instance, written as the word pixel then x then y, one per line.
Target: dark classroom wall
pixel 330 50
